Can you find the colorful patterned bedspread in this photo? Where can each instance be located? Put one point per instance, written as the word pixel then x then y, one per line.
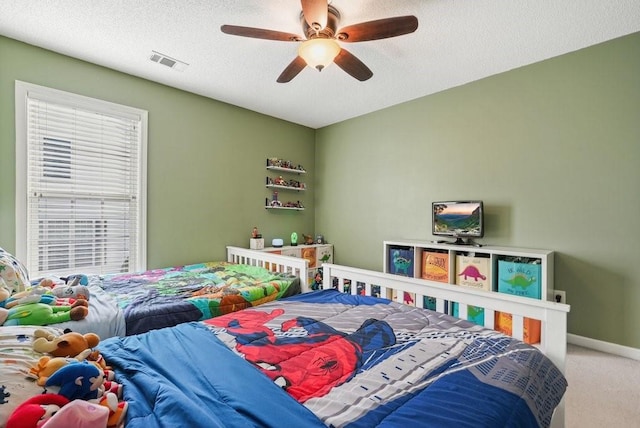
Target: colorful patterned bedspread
pixel 331 359
pixel 165 297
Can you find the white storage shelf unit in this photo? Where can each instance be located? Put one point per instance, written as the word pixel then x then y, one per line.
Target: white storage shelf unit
pixel 418 248
pixel 315 254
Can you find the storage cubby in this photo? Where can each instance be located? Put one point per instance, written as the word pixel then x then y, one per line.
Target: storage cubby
pixel 519 271
pixel 510 270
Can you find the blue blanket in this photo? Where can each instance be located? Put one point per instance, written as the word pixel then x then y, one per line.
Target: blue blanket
pixel 184 377
pixel 331 359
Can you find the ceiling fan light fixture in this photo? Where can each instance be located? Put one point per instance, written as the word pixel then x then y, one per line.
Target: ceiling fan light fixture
pixel 319 52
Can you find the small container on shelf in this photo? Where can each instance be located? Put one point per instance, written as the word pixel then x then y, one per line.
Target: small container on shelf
pixel 473 271
pixel 520 276
pixel 435 265
pixel 401 260
pixel 309 253
pixel 256 243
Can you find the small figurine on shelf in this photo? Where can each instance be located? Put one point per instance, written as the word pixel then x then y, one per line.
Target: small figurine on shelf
pixel 279 181
pixel 308 239
pixel 255 234
pixel 274 200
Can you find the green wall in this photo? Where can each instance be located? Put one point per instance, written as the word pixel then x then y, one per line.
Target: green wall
pixel 206 162
pixel 553 149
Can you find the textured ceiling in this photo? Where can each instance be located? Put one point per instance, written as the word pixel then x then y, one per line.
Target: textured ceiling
pixel 457 41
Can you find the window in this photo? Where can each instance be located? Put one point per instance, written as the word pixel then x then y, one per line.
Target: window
pixel 80 183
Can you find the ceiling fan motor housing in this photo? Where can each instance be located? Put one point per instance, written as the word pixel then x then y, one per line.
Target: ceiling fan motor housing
pixel 328 32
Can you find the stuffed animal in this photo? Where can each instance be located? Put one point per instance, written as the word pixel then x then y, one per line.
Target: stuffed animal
pixel 43 291
pixel 71 292
pixel 80 414
pixel 117 409
pixel 76 279
pixel 69 344
pixel 97 358
pixel 43 314
pixel 46 366
pixel 35 411
pixel 77 380
pixel 31 295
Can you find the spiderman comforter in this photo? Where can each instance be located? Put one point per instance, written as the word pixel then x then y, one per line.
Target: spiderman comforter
pixel 332 359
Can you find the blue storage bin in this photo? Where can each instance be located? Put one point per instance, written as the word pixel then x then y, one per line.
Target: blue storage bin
pixel 401 261
pixel 520 279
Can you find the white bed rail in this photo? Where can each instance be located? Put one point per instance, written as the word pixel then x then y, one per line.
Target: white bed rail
pixel 553 316
pixel 275 262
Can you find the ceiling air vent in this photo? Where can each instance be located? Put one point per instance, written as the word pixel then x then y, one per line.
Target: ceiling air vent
pixel 168 61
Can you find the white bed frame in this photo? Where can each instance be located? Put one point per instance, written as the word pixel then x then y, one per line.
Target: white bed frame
pixel 275 262
pixel 553 316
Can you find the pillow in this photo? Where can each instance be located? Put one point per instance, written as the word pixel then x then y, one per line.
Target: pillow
pixel 14 274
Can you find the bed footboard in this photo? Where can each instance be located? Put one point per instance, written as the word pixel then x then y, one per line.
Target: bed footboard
pixel 553 316
pixel 275 262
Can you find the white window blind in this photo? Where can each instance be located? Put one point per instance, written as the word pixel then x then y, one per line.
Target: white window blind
pixel 84 189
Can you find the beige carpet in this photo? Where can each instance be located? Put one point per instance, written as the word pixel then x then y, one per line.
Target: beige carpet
pixel 604 390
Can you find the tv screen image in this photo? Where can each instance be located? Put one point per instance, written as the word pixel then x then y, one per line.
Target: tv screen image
pixel 460 219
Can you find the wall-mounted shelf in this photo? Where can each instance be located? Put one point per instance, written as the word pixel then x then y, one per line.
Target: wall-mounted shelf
pixel 294 170
pixel 275 186
pixel 282 183
pixel 285 208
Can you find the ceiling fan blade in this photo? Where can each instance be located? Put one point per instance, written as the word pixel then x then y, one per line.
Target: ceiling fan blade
pixel 378 29
pixel 292 70
pixel 260 33
pixel 352 65
pixel 315 11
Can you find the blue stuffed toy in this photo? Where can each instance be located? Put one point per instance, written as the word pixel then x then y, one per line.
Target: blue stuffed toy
pixel 77 380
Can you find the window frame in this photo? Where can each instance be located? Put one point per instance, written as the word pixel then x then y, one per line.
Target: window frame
pixel 23 90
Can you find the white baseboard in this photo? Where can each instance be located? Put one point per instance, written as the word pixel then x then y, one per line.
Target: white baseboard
pixel 598 345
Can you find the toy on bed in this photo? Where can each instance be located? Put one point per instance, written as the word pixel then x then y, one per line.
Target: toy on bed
pixel 43 314
pixel 42 305
pixel 70 344
pixel 47 366
pixel 77 371
pixel 58 296
pixel 36 411
pixel 76 384
pixel 51 410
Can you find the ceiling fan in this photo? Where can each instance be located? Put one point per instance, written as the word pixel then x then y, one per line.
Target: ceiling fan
pixel 319 48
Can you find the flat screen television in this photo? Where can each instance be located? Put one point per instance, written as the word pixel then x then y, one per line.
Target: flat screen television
pixel 458 219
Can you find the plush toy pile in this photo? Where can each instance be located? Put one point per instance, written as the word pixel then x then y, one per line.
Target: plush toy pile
pixel 44 302
pixel 78 387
